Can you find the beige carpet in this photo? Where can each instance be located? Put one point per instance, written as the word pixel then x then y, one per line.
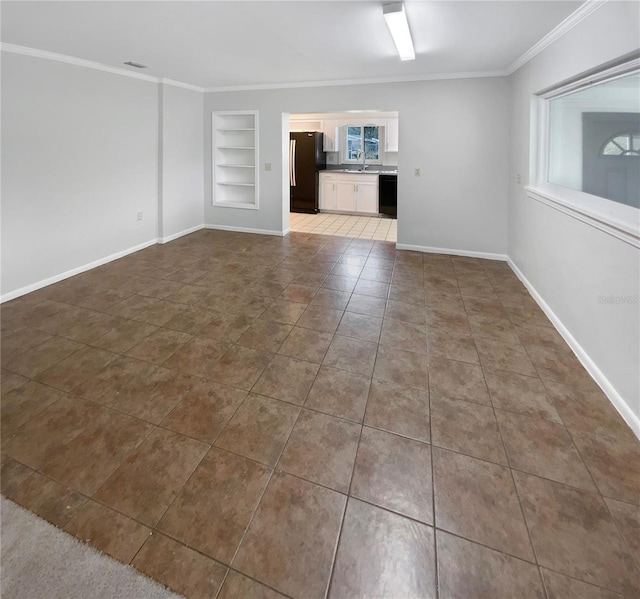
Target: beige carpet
pixel 39 560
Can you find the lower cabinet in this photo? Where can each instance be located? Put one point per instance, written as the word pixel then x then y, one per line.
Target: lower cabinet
pixel 349 193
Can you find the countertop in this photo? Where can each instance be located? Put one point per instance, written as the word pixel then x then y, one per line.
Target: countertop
pixel 353 171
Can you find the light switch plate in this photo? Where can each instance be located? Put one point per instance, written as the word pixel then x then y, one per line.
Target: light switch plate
pixel 267 166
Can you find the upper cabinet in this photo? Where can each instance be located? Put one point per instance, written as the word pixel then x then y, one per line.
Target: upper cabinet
pixel 391 135
pixel 331 130
pixel 235 159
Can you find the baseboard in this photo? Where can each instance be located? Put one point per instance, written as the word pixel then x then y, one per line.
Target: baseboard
pixel 286 232
pixel 465 253
pixel 590 366
pixel 181 234
pixel 74 271
pixel 246 230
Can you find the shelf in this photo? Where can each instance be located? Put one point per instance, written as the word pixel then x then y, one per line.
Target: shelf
pixel 236 182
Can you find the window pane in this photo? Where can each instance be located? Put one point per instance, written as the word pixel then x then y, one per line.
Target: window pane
pixel 354 143
pixel 371 143
pixel 593 143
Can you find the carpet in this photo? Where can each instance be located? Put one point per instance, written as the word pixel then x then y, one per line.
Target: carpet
pixel 39 560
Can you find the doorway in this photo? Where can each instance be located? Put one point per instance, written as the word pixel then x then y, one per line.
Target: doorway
pixel 350 188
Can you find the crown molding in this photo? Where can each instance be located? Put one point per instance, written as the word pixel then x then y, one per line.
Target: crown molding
pixel 368 81
pixel 89 64
pixel 582 12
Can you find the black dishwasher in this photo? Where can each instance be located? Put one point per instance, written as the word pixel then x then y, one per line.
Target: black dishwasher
pixel 388 194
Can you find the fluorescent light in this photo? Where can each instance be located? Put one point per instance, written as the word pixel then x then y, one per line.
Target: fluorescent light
pixel 398 25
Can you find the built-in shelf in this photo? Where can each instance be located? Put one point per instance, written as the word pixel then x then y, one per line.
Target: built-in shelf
pixel 235 157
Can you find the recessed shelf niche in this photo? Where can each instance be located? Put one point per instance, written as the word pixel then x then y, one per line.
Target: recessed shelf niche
pixel 235 159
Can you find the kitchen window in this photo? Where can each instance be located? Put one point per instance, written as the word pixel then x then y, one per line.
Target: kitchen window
pixel 587 145
pixel 359 139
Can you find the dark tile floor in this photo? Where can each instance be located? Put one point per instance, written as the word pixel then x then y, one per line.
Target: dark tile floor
pixel 249 416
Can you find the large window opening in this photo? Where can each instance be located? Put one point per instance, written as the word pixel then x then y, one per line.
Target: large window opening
pixel 586 150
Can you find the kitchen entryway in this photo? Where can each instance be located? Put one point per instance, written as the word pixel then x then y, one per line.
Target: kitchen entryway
pixel 345 225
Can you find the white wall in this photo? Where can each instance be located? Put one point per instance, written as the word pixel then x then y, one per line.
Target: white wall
pixel 83 151
pixel 79 161
pixel 182 188
pixel 455 131
pixel 570 263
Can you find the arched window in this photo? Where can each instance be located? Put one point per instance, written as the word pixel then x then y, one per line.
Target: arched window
pixel 622 144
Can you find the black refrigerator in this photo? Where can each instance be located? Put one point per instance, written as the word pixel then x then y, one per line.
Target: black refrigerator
pixel 306 159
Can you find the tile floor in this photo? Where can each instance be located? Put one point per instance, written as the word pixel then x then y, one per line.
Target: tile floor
pixel 240 416
pixel 345 225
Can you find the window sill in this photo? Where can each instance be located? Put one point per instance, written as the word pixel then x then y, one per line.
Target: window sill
pixel 615 219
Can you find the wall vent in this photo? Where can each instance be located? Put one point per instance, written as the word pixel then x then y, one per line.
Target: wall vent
pixel 137 65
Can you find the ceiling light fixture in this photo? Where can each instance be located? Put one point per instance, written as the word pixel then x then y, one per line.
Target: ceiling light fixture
pixel 398 25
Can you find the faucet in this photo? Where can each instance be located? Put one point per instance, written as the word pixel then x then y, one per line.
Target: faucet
pixel 364 158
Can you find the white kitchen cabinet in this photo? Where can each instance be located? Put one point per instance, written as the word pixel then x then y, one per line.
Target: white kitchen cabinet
pixel 349 192
pixel 327 193
pixel 331 136
pixel 367 197
pixel 391 135
pixel 345 196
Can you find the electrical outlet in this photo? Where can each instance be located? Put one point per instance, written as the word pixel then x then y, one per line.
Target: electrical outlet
pixel 267 166
pixel 139 215
pixel 417 172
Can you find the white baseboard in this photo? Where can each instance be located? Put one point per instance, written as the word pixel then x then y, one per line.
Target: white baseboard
pixel 465 253
pixel 246 230
pixel 180 234
pixel 590 366
pixel 286 232
pixel 74 271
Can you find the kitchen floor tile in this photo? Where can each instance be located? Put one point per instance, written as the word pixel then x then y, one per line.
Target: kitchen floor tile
pixel 381 554
pixel 321 319
pixel 399 409
pixel 339 393
pixel 627 518
pixel 466 569
pixel 198 356
pixel 360 326
pixel 236 585
pixel 402 335
pixel 614 465
pixel 522 394
pixel 214 508
pixel 266 335
pixel 354 355
pixel 240 367
pixel 322 449
pixel 573 533
pixel 401 366
pixel 394 473
pixel 306 344
pixel 478 500
pixel 466 427
pixel 563 587
pixel 458 380
pixel 106 530
pixel 259 429
pixel 51 500
pixel 543 448
pixel 146 484
pixel 287 379
pixel 158 346
pixel 204 410
pixel 277 550
pixel 183 570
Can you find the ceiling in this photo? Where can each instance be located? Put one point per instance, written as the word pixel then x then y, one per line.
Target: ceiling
pixel 227 44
